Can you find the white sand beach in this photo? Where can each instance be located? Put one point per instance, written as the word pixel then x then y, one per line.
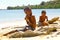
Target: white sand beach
pixel 12 24
pixel 9 26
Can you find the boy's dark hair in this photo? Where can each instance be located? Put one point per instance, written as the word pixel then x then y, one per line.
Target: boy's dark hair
pixel 27 8
pixel 43 12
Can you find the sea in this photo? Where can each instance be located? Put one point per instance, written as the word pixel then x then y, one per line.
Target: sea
pixel 19 15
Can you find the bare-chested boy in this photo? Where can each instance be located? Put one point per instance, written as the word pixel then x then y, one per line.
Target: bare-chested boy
pixel 30 19
pixel 43 19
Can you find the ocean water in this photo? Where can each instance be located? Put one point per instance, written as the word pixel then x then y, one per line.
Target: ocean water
pixel 13 15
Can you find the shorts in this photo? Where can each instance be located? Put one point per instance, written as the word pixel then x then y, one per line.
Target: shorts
pixel 39 24
pixel 29 28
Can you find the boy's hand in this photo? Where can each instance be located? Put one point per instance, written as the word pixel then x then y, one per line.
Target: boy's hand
pixel 27 20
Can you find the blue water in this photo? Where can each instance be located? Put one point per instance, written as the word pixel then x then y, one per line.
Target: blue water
pixel 13 15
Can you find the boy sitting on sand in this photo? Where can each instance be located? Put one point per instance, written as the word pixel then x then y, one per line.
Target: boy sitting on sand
pixel 43 19
pixel 30 19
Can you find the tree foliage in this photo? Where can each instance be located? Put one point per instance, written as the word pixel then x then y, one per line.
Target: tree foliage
pixel 44 5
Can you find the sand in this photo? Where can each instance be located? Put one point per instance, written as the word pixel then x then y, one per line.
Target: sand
pixel 9 26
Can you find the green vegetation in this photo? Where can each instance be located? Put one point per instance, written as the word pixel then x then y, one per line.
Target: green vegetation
pixel 44 5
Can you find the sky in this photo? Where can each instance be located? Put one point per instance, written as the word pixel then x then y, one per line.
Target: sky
pixel 5 3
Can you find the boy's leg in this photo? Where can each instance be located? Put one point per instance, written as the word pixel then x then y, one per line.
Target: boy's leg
pixel 39 24
pixel 32 28
pixel 29 28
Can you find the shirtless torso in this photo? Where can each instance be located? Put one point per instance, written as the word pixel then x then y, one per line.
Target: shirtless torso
pixel 42 20
pixel 31 21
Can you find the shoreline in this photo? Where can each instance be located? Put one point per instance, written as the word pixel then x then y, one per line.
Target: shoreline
pixel 23 22
pixel 12 24
pixel 16 23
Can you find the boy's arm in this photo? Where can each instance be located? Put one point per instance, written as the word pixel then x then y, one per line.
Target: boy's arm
pixel 34 21
pixel 40 19
pixel 33 17
pixel 27 20
pixel 47 18
pixel 33 24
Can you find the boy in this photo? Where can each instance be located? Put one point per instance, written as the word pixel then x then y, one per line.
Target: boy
pixel 30 19
pixel 43 19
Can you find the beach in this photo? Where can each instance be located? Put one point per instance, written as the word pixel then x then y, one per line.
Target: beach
pixel 30 20
pixel 11 20
pixel 10 26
